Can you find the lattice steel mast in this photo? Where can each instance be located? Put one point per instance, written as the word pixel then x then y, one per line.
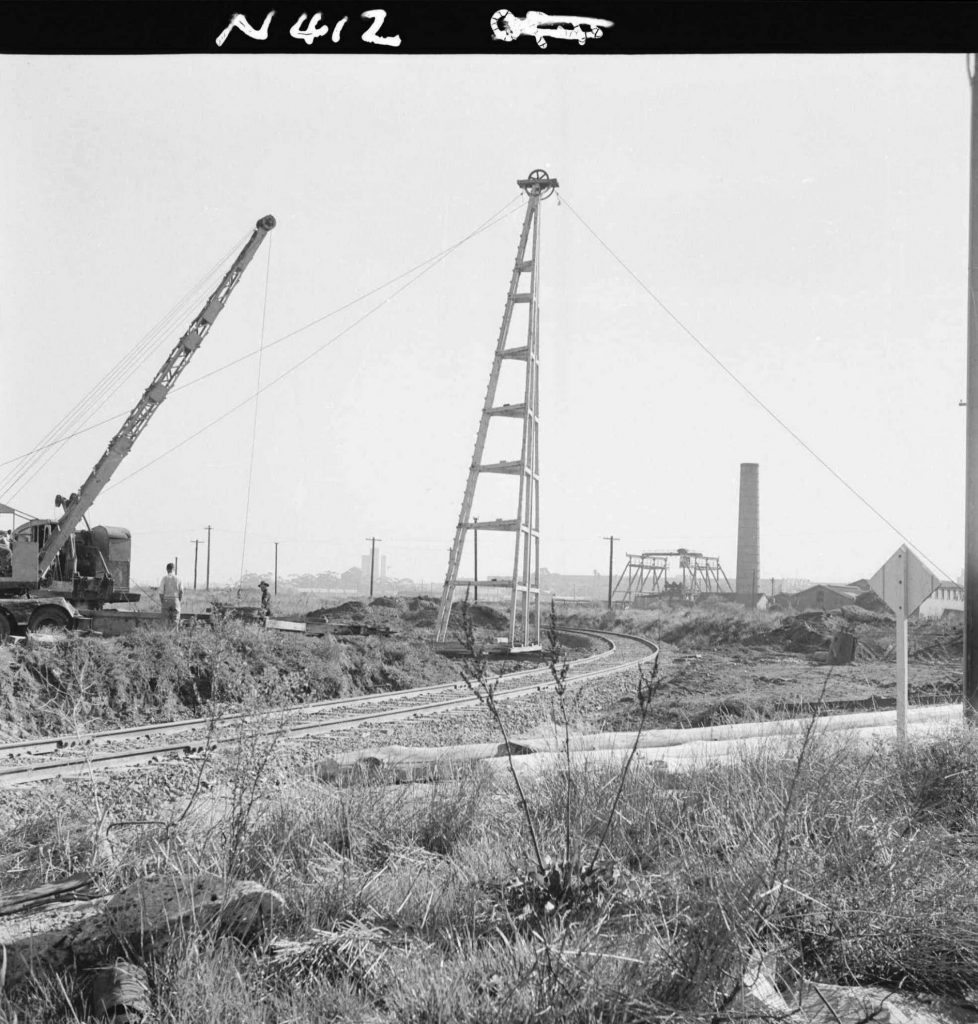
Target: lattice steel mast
pixel 524 584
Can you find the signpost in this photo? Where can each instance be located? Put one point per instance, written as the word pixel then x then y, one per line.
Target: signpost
pixel 904 583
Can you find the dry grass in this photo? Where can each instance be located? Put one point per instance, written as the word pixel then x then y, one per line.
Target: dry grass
pixel 423 903
pixel 709 622
pixel 88 683
pixel 847 865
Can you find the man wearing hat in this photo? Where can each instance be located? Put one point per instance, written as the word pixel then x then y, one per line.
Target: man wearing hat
pixel 266 599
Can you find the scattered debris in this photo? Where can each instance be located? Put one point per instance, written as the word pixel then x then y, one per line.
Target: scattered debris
pixel 147 914
pixel 842 649
pixel 120 993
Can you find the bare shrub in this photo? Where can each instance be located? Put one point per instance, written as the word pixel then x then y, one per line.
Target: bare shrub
pixel 567 885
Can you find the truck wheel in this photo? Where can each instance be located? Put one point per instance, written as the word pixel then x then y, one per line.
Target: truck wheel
pixel 48 618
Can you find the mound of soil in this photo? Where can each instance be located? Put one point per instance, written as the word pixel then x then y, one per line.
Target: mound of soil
pixel 708 631
pixel 865 615
pixel 804 633
pixel 872 602
pixel 349 609
pixel 813 615
pixel 386 602
pixel 420 611
pixel 482 617
pixel 803 638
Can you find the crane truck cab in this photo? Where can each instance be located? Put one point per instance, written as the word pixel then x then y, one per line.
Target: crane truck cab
pixel 91 570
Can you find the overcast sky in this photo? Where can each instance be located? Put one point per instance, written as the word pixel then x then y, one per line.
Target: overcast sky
pixel 805 217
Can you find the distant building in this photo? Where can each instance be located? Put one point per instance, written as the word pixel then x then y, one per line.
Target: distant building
pixel 758 601
pixel 825 597
pixel 574 586
pixel 351 579
pixel 380 566
pixel 947 601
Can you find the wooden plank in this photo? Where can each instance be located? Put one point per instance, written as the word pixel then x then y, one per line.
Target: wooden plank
pixel 285 625
pixel 79 886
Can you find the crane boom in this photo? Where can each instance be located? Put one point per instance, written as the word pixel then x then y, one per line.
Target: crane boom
pixel 78 504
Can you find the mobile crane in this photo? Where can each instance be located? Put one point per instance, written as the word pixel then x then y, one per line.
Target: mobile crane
pixel 62 577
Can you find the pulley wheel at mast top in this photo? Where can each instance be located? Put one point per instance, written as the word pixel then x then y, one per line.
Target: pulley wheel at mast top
pixel 538 184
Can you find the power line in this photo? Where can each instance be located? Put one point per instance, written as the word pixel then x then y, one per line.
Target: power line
pixel 497 218
pixel 437 257
pixel 744 387
pixel 31 463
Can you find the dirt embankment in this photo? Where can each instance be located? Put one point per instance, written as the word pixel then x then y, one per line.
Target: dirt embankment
pixel 90 683
pixel 809 633
pixel 723 663
pixel 413 617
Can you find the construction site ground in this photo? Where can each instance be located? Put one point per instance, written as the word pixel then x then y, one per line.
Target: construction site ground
pixel 266 800
pixel 718 664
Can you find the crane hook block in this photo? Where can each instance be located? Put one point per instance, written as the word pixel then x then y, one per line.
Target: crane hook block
pixel 266 223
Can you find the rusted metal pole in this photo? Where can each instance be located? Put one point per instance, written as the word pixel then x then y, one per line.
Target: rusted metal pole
pixel 196 550
pixel 970 701
pixel 475 570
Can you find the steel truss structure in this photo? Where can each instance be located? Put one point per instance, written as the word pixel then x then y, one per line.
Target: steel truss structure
pixel 647 575
pixel 524 583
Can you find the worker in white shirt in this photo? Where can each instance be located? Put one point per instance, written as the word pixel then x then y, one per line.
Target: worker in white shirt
pixel 171 591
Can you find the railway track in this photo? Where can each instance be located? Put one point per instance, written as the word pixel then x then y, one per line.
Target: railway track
pixel 83 753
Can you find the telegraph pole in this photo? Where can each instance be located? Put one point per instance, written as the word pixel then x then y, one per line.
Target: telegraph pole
pixel 373 552
pixel 207 585
pixel 475 540
pixel 276 568
pixel 611 565
pixel 176 565
pixel 970 701
pixel 196 549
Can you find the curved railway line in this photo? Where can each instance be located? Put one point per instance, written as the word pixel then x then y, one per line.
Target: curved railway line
pixel 82 753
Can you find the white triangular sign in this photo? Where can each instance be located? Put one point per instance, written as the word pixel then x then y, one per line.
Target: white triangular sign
pixel 904 582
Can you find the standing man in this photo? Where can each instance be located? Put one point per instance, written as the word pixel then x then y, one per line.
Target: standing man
pixel 171 591
pixel 266 599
